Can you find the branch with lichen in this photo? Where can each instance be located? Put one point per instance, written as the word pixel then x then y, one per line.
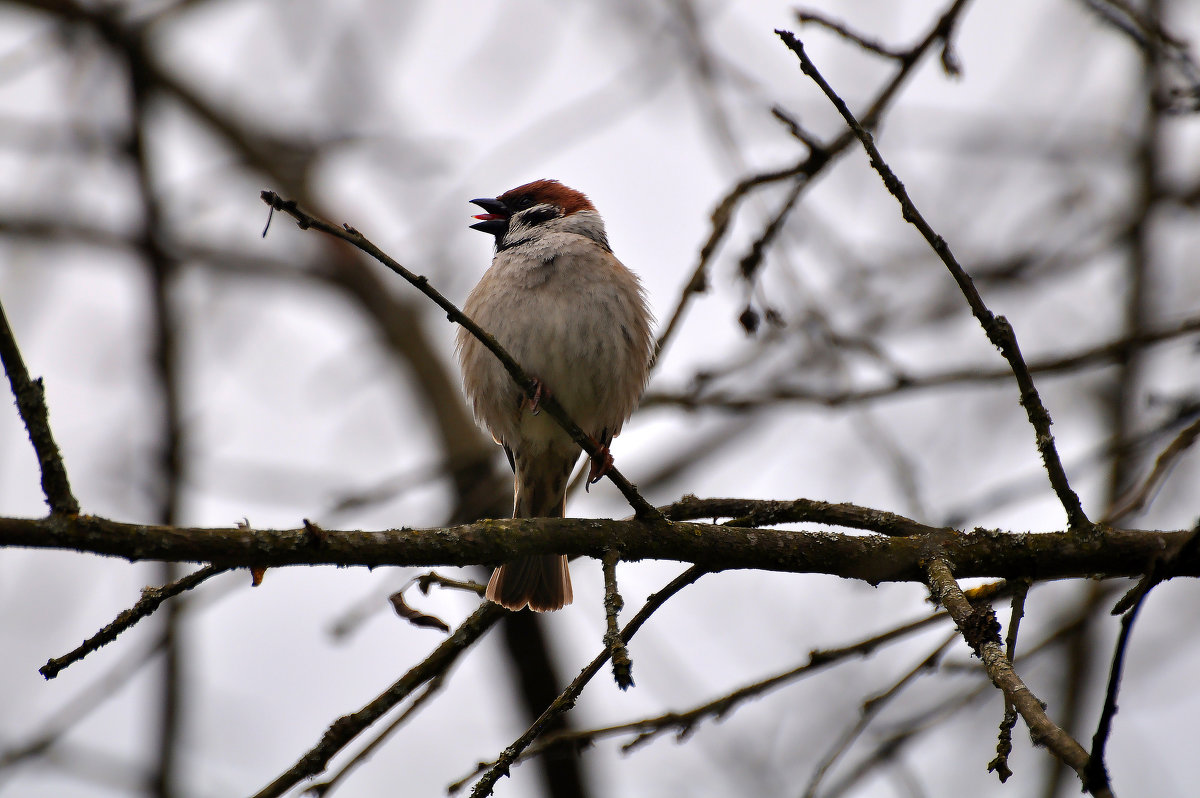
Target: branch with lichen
pixel 981 630
pixel 1106 552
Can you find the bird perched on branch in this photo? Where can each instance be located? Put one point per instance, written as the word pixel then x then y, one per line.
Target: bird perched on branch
pixel 576 320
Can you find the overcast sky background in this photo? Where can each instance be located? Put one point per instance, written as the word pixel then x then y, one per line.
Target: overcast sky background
pixel 291 403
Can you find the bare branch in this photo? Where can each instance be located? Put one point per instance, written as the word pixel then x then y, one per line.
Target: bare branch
pixel 1093 356
pixel 683 722
pixel 31 402
pixel 769 512
pixel 870 709
pixel 817 159
pixel 805 17
pixel 1137 499
pixel 346 728
pixel 566 699
pixel 1097 773
pixel 999 765
pixel 979 629
pixel 1105 551
pixel 622 665
pixel 152 598
pixel 998 330
pixel 326 787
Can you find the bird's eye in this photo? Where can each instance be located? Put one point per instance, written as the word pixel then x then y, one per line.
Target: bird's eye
pixel 524 202
pixel 542 213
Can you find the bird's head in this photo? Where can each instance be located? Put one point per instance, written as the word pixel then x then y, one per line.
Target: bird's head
pixel 536 209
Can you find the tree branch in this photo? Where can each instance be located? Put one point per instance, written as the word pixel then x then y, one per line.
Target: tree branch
pixel 770 512
pixel 152 598
pixel 346 728
pixel 31 402
pixel 683 722
pixel 997 328
pixel 818 158
pixel 1095 356
pixel 566 699
pixel 1109 552
pixel 981 631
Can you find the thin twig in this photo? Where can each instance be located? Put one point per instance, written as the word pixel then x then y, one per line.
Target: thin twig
pixel 770 512
pixel 567 698
pixel 870 709
pixel 979 629
pixel 997 328
pixel 326 787
pixel 888 750
pixel 796 129
pixel 685 721
pixel 346 728
pixel 642 508
pixel 1094 356
pixel 1137 498
pixel 152 598
pixel 751 262
pixel 871 45
pixel 999 765
pixel 622 665
pixel 817 159
pixel 31 402
pixel 1096 773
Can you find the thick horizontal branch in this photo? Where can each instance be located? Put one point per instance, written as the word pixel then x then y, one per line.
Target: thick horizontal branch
pixel 1103 552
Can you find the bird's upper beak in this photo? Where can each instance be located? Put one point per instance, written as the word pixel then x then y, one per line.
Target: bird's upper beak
pixel 495 221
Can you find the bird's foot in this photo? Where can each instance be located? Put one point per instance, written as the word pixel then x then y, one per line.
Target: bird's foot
pixel 602 461
pixel 533 401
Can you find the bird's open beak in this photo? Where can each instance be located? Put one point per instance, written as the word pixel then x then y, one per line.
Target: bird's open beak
pixel 495 221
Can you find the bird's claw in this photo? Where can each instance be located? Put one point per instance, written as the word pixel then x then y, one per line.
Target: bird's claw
pixel 601 462
pixel 533 401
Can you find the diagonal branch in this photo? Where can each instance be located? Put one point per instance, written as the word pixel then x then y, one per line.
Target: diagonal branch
pixel 1097 772
pixel 683 723
pixel 804 172
pixel 642 508
pixel 152 598
pixel 31 402
pixel 346 728
pixel 1137 498
pixel 326 787
pixel 567 698
pixel 870 710
pixel 997 328
pixel 981 631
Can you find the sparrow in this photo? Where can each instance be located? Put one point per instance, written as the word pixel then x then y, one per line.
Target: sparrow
pixel 576 319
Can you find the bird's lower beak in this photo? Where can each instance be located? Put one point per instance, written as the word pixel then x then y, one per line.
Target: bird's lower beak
pixel 495 220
